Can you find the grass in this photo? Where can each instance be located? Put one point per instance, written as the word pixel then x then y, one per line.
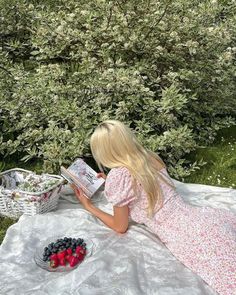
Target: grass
pixel 221 161
pixel 5 222
pixel 219 170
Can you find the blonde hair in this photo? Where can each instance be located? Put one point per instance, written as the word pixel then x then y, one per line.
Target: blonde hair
pixel 113 144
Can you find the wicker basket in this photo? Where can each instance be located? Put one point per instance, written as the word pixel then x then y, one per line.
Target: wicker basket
pixel 15 202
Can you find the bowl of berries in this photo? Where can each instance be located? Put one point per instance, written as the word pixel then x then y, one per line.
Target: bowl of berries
pixel 58 254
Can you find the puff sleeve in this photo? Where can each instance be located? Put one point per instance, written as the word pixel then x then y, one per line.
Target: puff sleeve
pixel 118 187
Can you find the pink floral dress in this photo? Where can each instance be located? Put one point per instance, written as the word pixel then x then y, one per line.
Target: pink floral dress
pixel 202 238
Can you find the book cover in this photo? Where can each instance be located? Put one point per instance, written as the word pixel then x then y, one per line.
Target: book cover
pixel 83 176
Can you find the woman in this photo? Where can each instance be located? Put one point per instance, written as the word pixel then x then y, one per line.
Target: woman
pixel 138 185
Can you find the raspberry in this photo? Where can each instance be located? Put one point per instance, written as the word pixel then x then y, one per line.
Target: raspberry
pixel 61 254
pixel 74 260
pixel 68 258
pixel 53 257
pixel 80 256
pixel 78 249
pixel 62 261
pixel 69 251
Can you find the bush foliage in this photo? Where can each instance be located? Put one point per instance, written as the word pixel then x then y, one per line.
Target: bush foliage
pixel 165 68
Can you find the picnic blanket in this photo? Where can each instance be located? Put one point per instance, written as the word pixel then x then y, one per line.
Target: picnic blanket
pixel 132 263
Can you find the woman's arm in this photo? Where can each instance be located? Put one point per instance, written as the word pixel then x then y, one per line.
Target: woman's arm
pixel 119 222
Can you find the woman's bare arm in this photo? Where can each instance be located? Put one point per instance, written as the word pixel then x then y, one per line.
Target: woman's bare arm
pixel 118 222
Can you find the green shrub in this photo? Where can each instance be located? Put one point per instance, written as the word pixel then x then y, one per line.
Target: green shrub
pixel 166 68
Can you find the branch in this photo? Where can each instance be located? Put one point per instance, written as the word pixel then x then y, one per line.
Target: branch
pixel 109 18
pixel 8 72
pixel 159 20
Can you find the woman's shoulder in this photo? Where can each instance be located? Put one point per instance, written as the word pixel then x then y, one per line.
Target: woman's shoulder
pixel 121 170
pixel 118 187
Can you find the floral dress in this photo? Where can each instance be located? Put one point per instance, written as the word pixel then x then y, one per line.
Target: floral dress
pixel 202 238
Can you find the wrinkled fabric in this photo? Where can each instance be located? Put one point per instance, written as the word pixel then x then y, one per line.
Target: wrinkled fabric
pixel 133 263
pixel 202 238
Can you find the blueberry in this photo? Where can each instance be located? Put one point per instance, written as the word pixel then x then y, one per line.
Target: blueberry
pixel 48 252
pixel 84 244
pixel 45 259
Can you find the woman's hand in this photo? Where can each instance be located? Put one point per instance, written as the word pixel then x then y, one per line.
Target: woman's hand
pixel 81 197
pixel 101 174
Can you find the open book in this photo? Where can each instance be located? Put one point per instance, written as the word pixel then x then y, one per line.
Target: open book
pixel 83 176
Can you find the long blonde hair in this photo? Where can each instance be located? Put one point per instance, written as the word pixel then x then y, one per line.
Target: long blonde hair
pixel 113 144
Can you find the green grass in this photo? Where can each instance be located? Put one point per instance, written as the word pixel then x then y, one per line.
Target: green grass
pixel 4 224
pixel 221 161
pixel 219 170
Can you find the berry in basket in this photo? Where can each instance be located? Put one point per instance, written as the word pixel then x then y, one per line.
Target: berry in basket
pixel 65 251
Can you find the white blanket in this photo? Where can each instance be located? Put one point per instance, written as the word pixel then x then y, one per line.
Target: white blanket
pixel 132 263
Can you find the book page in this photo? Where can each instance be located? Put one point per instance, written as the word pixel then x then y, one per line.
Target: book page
pixel 83 176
